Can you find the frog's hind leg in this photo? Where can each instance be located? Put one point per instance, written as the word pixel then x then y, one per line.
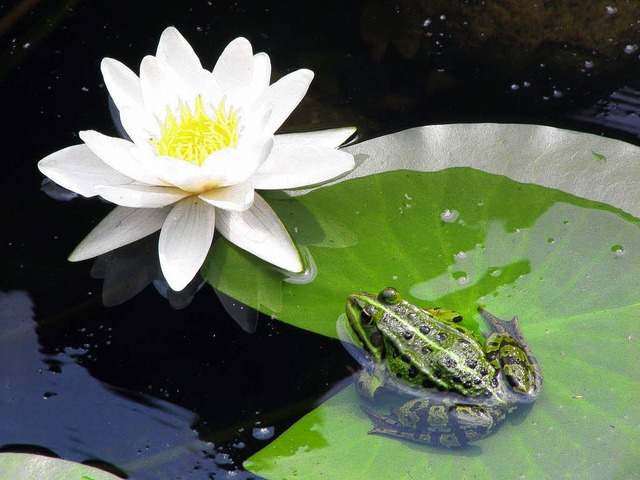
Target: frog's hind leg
pixel 419 420
pixel 512 354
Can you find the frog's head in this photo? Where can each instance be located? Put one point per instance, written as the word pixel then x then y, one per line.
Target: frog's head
pixel 364 312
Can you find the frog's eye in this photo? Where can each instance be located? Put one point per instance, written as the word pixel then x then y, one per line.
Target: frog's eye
pixel 389 296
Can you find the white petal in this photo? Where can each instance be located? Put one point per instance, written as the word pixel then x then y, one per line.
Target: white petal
pixel 122 226
pixel 122 155
pixel 285 95
pixel 233 69
pixel 124 88
pixel 223 168
pixel 204 85
pixel 299 166
pixel 185 239
pixel 122 83
pixel 162 87
pixel 232 166
pixel 77 168
pixel 182 174
pixel 141 196
pixel 254 125
pixel 259 231
pixel 331 138
pixel 235 197
pixel 140 125
pixel 260 74
pixel 177 53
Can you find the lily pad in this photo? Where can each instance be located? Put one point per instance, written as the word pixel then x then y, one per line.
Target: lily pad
pixel 449 236
pixel 547 250
pixel 27 466
pixel 565 435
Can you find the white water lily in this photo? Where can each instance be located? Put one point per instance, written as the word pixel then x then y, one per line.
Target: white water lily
pixel 201 143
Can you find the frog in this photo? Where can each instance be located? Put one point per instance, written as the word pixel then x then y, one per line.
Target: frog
pixel 456 386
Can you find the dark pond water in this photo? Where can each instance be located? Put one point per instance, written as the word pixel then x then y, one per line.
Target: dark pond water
pixel 154 392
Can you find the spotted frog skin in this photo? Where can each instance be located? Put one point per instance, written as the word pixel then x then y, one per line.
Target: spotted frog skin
pixel 461 386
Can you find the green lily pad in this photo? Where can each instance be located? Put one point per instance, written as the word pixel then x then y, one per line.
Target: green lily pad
pixel 575 430
pixel 404 216
pixel 546 250
pixel 26 466
pixel 583 426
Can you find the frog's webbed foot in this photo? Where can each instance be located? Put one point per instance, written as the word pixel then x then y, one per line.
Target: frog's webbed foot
pixel 507 327
pixel 450 426
pixel 369 381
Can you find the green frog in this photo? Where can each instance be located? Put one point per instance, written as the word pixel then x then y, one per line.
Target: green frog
pixel 462 385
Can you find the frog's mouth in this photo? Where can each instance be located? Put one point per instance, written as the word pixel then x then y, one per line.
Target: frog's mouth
pixel 355 308
pixel 362 326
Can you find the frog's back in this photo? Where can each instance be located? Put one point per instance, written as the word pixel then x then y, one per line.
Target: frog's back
pixel 424 351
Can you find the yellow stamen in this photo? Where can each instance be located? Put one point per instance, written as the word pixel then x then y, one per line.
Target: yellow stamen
pixel 194 135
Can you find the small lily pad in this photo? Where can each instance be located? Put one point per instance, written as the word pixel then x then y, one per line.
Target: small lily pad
pixel 25 466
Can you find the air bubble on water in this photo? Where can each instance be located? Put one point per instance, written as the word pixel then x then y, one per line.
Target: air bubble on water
pixel 495 272
pixel 588 64
pixel 408 197
pixel 618 249
pixel 426 23
pixel 460 256
pixel 463 281
pixel 395 277
pixel 263 433
pixel 610 10
pixel 514 86
pixel 449 216
pixel 222 458
pixel 630 48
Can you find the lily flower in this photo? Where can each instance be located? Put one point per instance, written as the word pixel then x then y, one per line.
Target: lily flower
pixel 199 144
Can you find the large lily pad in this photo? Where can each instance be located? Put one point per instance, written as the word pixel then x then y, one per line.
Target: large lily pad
pixel 460 237
pixel 407 227
pixel 583 426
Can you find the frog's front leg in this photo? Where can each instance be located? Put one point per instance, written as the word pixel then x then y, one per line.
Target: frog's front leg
pixel 438 423
pixel 369 380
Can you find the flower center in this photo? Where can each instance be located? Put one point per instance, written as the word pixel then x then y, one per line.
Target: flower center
pixel 194 135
